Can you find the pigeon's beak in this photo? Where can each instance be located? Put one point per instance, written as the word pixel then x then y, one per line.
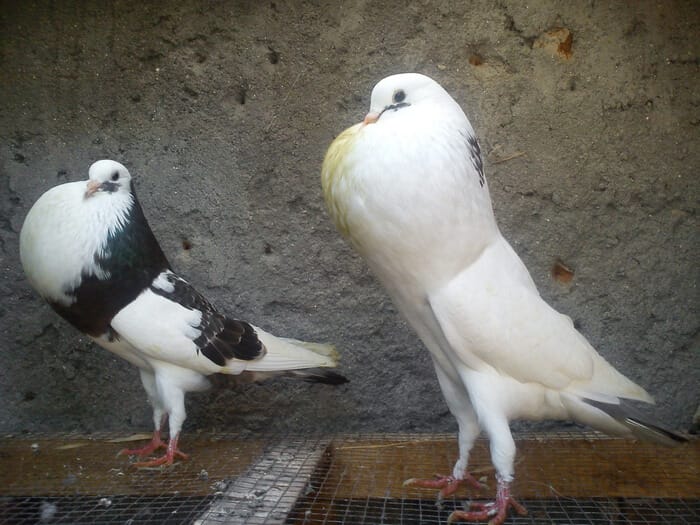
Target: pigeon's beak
pixel 92 187
pixel 371 118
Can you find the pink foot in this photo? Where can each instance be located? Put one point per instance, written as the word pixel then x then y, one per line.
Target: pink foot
pixel 154 445
pixel 495 512
pixel 170 453
pixel 448 485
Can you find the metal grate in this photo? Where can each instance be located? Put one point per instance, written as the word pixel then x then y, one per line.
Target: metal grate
pixel 581 479
pixel 562 478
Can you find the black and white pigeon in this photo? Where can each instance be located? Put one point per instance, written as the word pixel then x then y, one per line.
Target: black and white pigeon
pixel 87 248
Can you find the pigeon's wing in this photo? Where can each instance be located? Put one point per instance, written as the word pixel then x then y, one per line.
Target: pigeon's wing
pixel 172 322
pixel 493 318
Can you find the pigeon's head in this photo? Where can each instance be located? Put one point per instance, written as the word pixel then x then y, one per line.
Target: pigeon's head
pixel 393 94
pixel 108 176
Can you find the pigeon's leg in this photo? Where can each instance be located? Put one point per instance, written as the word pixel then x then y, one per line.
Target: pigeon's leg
pixel 155 444
pixel 496 512
pixel 502 446
pixel 460 406
pixel 448 485
pixel 174 398
pixel 171 452
pixel 160 417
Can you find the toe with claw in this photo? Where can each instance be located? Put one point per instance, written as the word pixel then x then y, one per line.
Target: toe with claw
pixel 496 512
pixel 155 444
pixel 171 452
pixel 448 485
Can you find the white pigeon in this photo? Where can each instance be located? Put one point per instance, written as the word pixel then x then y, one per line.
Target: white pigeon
pixel 406 187
pixel 87 248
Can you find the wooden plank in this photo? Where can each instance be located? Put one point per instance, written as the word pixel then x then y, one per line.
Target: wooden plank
pixel 364 467
pixel 545 468
pixel 70 466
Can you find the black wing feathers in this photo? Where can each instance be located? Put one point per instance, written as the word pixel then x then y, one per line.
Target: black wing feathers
pixel 319 375
pixel 221 338
pixel 642 426
pixel 475 155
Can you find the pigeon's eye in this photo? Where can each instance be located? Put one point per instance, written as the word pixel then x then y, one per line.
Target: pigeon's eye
pixel 399 96
pixel 115 176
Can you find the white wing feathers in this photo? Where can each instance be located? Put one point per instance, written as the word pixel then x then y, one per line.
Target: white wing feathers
pixel 164 330
pixel 495 320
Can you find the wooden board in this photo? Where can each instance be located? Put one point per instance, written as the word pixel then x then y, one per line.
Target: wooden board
pixel 362 467
pixel 70 466
pixel 545 468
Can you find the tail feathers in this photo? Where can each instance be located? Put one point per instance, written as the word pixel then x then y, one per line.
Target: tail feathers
pixel 318 375
pixel 317 348
pixel 312 375
pixel 607 384
pixel 290 354
pixel 638 425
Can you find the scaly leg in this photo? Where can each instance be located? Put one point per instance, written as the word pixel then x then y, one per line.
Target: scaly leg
pixel 170 453
pixel 494 421
pixel 155 444
pixel 495 511
pixel 459 404
pixel 448 485
pixel 174 406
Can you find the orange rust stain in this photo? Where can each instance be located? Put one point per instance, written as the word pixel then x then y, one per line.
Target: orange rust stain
pixel 562 273
pixel 475 59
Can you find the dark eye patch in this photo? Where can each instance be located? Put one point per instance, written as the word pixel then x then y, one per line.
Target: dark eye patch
pixel 115 176
pixel 399 96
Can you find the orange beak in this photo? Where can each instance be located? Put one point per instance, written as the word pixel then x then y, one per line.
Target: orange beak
pixel 371 118
pixel 92 187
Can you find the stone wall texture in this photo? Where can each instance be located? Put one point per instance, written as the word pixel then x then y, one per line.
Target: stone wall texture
pixel 588 115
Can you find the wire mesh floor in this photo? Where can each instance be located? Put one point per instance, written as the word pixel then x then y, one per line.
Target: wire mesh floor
pixel 560 478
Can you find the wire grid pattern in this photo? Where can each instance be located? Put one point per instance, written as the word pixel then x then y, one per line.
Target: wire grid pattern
pixel 228 479
pixel 168 509
pixel 270 487
pixel 540 512
pixel 563 478
pixel 573 478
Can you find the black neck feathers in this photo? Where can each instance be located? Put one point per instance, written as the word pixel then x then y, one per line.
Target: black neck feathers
pixel 131 260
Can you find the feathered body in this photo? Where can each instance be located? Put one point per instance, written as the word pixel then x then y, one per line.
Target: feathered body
pixel 406 187
pixel 87 248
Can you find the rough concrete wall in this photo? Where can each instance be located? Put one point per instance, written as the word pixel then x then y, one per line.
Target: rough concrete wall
pixel 223 111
